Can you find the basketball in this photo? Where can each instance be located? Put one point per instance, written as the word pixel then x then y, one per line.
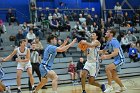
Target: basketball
pixel 83 47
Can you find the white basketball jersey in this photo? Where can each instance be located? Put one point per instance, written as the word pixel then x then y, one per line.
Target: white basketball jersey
pixel 92 54
pixel 22 55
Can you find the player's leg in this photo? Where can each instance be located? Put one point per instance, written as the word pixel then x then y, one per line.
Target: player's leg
pixel 53 76
pixel 29 71
pixel 108 70
pixel 92 81
pixel 93 73
pixel 116 78
pixel 83 79
pixel 19 74
pixel 43 81
pixel 33 70
pixel 2 87
pixel 118 81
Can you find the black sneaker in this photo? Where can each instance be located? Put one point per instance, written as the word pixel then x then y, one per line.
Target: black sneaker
pixel 19 91
pixel 84 91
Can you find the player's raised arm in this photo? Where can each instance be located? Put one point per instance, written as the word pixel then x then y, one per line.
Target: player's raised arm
pixel 65 42
pixel 64 48
pixel 97 43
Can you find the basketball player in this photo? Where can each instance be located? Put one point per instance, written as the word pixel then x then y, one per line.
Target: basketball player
pixel 48 60
pixel 23 60
pixel 92 65
pixel 115 51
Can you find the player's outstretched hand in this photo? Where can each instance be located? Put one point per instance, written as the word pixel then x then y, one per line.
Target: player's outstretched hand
pixel 66 40
pixel 73 41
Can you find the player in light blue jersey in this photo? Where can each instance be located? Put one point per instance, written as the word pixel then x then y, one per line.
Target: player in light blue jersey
pixel 48 60
pixel 114 49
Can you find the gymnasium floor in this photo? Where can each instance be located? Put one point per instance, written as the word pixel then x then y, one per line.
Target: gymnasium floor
pixel 132 84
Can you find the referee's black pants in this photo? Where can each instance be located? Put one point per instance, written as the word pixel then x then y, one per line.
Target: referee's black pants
pixel 35 68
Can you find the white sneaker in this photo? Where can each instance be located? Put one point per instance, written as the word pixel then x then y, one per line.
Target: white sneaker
pixel 121 89
pixel 8 90
pixel 108 89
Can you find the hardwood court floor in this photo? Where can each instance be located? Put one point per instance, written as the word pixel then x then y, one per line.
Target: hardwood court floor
pixel 132 84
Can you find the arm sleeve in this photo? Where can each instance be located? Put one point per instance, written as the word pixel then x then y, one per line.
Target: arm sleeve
pixel 53 49
pixel 115 44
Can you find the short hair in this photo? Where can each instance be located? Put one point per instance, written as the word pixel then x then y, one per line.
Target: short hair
pixel 50 37
pixel 98 33
pixel 22 40
pixel 30 29
pixel 113 31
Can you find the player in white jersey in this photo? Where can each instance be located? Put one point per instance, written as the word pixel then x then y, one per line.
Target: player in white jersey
pixel 23 60
pixel 92 64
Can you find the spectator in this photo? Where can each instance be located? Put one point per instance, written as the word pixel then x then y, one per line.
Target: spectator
pixel 25 29
pixel 126 19
pixel 119 13
pixel 110 15
pixel 94 27
pixel 109 23
pixel 33 11
pixel 117 7
pixel 136 19
pixel 138 45
pixel 81 19
pixel 2 27
pixel 103 43
pixel 131 38
pixel 72 71
pixel 102 25
pixel 19 36
pixel 133 53
pixel 39 46
pixel 54 25
pixel 89 20
pixel 2 30
pixel 10 17
pixel 30 36
pixel 125 44
pixel 50 17
pixel 96 19
pixel 79 67
pixel 59 43
pixel 57 14
pixel 76 29
pixel 66 24
pixel 41 17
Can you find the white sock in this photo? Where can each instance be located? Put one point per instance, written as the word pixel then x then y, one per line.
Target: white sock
pixel 19 87
pixel 33 86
